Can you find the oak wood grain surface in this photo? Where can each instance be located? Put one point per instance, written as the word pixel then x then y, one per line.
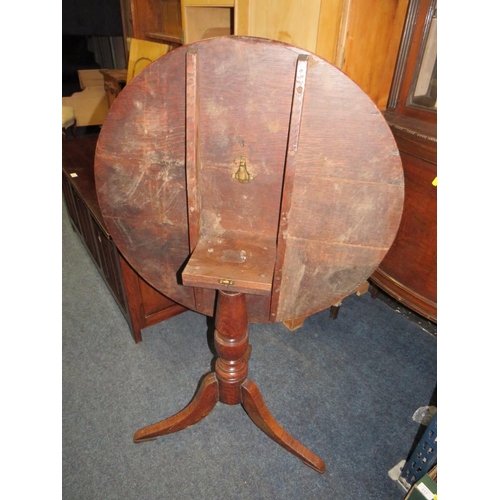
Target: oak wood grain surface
pixel 342 209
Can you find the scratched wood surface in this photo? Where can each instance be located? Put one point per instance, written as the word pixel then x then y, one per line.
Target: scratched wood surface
pixel 326 232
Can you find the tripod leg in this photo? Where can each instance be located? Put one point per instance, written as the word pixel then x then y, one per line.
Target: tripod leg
pixel 205 399
pixel 256 408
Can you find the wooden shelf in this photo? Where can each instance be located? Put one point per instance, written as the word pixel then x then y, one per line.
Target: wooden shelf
pixel 240 265
pixel 164 38
pixel 209 3
pixel 206 19
pixel 157 20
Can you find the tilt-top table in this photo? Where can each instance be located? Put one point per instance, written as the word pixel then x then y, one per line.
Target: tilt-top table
pixel 250 180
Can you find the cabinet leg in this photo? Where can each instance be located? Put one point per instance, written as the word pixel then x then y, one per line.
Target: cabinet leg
pixel 334 311
pixel 373 291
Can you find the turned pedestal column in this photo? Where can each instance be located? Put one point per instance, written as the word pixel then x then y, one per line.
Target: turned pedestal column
pixel 230 385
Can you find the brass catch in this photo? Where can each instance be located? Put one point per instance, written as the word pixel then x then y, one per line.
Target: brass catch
pixel 242 173
pixel 225 281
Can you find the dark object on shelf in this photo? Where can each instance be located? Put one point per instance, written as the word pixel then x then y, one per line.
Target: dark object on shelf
pixel 409 271
pixel 140 303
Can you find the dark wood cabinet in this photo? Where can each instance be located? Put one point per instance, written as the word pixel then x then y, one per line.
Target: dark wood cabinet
pixel 141 304
pixel 409 270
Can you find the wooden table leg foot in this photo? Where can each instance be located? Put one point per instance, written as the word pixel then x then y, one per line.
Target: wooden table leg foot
pixel 201 405
pixel 295 324
pixel 256 409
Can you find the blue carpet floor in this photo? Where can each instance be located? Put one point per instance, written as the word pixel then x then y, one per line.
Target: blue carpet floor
pixel 347 389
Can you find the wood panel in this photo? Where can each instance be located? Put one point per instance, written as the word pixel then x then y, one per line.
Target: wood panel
pixel 329 32
pixel 409 270
pixel 346 199
pixel 108 263
pixel 295 23
pixel 157 20
pixel 359 37
pixel 242 17
pixel 236 265
pixel 235 123
pixel 198 20
pixel 145 181
pixel 146 306
pixel 371 44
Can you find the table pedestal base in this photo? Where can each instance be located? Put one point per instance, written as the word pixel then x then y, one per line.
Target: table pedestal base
pixel 229 384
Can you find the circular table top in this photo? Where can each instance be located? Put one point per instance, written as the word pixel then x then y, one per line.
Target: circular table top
pixel 259 147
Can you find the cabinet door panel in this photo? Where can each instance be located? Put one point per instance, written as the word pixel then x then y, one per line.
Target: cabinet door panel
pixel 412 259
pixel 70 202
pixel 153 300
pixel 86 227
pixel 109 266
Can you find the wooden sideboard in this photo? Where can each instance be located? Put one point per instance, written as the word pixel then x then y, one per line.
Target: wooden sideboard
pixel 141 304
pixel 409 270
